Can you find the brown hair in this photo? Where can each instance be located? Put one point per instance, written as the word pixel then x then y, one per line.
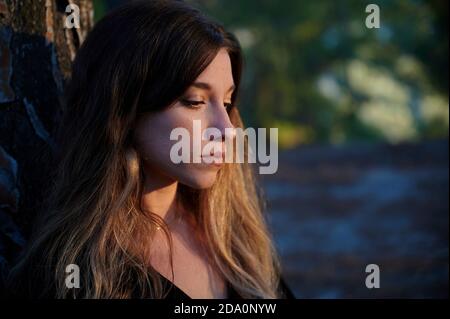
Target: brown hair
pixel 139 58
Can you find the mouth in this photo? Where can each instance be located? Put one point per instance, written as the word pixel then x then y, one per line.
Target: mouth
pixel 215 159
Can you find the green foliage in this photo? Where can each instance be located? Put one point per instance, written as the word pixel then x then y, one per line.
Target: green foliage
pixel 314 70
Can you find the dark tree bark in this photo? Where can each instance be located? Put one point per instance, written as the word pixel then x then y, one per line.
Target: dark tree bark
pixel 36 52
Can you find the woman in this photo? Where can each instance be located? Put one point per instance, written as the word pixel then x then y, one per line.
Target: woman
pixel 136 224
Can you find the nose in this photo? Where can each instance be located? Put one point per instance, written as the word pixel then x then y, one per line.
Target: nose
pixel 221 121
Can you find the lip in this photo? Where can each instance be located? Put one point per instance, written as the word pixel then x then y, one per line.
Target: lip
pixel 217 156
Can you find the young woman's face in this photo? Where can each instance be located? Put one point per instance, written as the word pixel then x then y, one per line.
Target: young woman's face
pixel 207 100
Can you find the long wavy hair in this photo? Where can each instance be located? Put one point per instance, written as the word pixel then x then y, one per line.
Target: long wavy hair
pixel 140 58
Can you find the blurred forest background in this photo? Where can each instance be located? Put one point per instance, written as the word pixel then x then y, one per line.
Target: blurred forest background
pixel 363 119
pixel 317 73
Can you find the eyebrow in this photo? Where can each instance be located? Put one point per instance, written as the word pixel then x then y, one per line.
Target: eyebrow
pixel 206 86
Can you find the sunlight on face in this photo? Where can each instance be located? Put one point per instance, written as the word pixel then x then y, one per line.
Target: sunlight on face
pixel 208 100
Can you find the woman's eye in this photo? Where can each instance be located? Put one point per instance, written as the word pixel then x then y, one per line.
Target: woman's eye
pixel 228 106
pixel 197 104
pixel 192 104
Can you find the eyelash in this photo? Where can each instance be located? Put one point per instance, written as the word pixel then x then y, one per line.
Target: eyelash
pixel 196 104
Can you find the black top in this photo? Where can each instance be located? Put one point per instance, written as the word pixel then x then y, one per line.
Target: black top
pixel 176 293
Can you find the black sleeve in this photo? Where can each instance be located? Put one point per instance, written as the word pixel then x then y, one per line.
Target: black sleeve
pixel 286 291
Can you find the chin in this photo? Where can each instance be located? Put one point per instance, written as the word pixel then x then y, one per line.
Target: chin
pixel 202 180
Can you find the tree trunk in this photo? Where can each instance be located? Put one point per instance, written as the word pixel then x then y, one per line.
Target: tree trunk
pixel 36 51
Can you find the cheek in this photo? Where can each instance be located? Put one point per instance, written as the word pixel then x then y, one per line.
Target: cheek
pixel 152 133
pixel 152 140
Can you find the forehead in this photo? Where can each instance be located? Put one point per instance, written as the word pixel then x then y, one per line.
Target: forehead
pixel 219 71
